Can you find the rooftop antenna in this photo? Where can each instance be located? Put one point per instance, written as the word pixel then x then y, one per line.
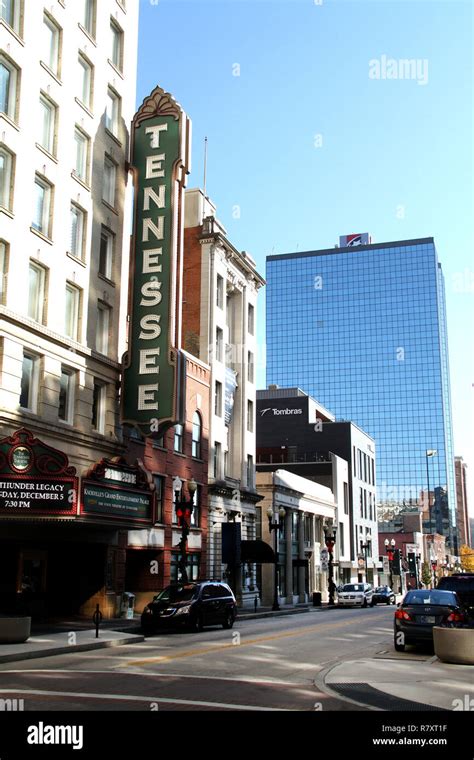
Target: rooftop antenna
pixel 205 164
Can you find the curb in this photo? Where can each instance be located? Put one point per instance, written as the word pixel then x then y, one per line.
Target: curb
pixel 33 655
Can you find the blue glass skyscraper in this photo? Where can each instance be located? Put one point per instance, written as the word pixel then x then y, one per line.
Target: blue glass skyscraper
pixel 363 330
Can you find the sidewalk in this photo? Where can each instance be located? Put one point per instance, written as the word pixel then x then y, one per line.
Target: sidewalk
pixel 399 682
pixel 65 643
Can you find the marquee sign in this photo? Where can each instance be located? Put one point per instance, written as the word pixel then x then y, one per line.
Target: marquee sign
pixel 152 375
pixel 115 490
pixel 35 478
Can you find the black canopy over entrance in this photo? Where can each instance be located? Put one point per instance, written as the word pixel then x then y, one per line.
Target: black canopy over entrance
pixel 257 551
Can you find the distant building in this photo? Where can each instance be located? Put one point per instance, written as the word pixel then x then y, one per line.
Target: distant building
pixel 362 328
pixel 464 527
pixel 297 433
pixel 308 507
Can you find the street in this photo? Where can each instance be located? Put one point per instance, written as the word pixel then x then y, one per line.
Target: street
pixel 259 665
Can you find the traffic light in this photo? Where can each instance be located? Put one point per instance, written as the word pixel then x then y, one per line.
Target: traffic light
pixel 183 513
pixel 396 565
pixel 412 563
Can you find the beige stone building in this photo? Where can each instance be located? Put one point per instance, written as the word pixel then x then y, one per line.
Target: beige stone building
pixel 67 98
pixel 221 286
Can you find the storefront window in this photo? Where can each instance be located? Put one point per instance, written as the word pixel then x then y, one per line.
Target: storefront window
pixel 192 566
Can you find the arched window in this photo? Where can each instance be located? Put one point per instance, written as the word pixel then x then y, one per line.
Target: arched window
pixel 197 431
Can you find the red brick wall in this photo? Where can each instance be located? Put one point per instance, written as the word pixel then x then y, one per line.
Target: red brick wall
pixel 192 290
pixel 171 464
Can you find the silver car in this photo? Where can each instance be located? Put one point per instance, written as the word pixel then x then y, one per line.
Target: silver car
pixel 355 595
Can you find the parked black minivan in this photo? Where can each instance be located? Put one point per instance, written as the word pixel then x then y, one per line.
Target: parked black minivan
pixel 193 605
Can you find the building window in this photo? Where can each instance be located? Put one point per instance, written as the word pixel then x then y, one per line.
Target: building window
pixel 66 396
pixel 341 538
pixel 36 292
pixel 51 44
pixel 102 329
pixel 116 45
pixel 89 16
pixel 193 562
pixel 359 464
pixel 8 87
pixel 365 503
pixel 373 472
pixel 110 179
pixel 112 112
pixel 3 271
pixel 178 438
pixel 107 240
pixel 81 168
pixel 217 459
pixel 29 382
pixel 47 125
pixel 196 513
pixel 98 406
pixel 218 400
pixel 159 496
pixel 250 472
pixel 346 498
pixel 219 344
pixel 42 207
pixel 250 367
pixel 85 81
pixel 6 175
pixel 73 303
pixel 78 231
pixel 220 292
pixel 251 319
pixel 196 438
pixel 10 13
pixel 250 416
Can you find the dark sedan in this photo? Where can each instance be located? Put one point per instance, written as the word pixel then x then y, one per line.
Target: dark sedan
pixel 420 611
pixel 383 595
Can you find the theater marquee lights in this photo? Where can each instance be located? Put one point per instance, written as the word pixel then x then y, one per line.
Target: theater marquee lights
pixel 152 376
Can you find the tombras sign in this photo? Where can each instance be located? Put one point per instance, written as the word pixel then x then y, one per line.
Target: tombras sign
pixel 152 392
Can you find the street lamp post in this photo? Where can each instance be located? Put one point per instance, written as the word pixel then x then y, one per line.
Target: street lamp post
pixel 366 548
pixel 184 510
pixel 330 540
pixel 434 566
pixel 389 549
pixel 275 521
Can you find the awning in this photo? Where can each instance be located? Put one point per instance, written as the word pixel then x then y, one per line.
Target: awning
pixel 257 551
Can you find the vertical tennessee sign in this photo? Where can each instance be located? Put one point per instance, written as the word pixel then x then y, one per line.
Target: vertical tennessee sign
pixel 160 142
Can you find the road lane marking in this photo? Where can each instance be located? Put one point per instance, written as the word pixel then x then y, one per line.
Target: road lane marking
pixel 133 698
pixel 323 627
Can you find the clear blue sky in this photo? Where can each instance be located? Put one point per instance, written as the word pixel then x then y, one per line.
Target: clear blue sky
pixel 393 157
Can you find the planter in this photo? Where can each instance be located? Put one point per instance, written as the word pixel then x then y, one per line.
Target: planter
pixel 454 645
pixel 14 630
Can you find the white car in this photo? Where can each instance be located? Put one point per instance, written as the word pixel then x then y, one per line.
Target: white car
pixel 355 594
